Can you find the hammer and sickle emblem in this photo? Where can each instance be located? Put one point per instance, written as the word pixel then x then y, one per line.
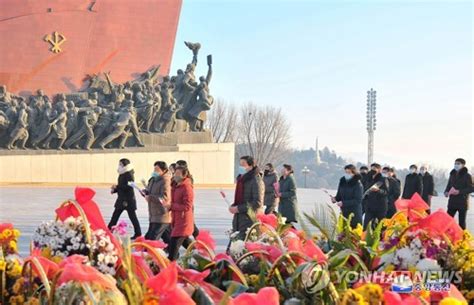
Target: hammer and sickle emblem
pixel 56 40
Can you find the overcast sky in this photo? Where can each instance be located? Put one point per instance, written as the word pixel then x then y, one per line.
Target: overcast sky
pixel 317 59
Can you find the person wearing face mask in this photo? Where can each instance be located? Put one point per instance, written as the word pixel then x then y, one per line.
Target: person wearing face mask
pixel 458 189
pixel 270 177
pixel 394 190
pixel 364 173
pixel 182 216
pixel 377 196
pixel 413 183
pixel 349 195
pixel 249 194
pixel 126 197
pixel 159 200
pixel 428 185
pixel 188 241
pixel 288 201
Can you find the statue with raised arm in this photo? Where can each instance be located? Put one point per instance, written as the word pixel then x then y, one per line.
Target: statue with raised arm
pixel 202 100
pixel 186 84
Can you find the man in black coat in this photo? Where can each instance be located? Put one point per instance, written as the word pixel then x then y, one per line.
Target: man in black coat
pixel 394 189
pixel 428 185
pixel 377 196
pixel 458 189
pixel 413 183
pixel 364 174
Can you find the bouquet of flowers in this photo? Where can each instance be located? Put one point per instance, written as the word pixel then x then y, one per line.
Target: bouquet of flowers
pixel 62 238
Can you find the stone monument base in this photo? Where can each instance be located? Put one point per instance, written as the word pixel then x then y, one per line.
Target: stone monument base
pixel 210 163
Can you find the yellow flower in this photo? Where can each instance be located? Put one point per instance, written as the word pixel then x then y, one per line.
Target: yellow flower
pixel 7 233
pixel 451 301
pixel 16 233
pixel 389 268
pixel 18 286
pixel 15 270
pixel 13 246
pixel 3 265
pixel 56 259
pixel 351 297
pixel 32 301
pixel 46 252
pixel 372 293
pixel 469 295
pixel 358 230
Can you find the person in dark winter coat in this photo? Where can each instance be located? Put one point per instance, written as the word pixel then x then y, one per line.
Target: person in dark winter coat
pixel 377 196
pixel 288 204
pixel 394 190
pixel 363 170
pixel 349 195
pixel 158 196
pixel 459 187
pixel 270 177
pixel 428 185
pixel 126 197
pixel 249 194
pixel 182 216
pixel 413 183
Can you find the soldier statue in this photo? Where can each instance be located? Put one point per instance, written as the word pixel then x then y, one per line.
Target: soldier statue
pixel 58 128
pixel 202 100
pixel 20 133
pixel 119 127
pixel 86 129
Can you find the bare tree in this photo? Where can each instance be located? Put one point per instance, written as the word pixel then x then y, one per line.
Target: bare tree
pixel 264 133
pixel 222 121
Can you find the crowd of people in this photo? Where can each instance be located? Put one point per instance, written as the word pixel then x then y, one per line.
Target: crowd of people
pixel 368 196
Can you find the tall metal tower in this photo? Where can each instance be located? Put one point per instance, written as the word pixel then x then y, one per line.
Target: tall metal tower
pixel 318 156
pixel 371 123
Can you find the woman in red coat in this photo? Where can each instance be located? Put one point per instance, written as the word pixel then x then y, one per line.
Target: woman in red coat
pixel 182 216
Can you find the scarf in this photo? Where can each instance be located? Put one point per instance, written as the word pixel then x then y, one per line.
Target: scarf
pixel 123 169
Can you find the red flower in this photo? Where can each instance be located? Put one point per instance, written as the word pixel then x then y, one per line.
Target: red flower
pixel 152 243
pixel 269 219
pixel 49 267
pixel 412 207
pixel 73 269
pixel 392 298
pixel 206 238
pixel 164 285
pixel 439 223
pixel 313 251
pixel 266 296
pixel 273 251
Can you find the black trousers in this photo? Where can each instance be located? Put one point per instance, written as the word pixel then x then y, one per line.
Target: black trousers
pixel 174 245
pixel 461 215
pixel 374 216
pixel 133 218
pixel 157 231
pixel 391 209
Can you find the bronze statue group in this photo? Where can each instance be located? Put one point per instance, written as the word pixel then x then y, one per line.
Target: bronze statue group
pixel 106 114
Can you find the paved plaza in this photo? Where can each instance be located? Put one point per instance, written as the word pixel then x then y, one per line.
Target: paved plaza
pixel 27 207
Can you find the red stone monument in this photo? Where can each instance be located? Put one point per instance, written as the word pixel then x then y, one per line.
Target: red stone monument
pixel 55 44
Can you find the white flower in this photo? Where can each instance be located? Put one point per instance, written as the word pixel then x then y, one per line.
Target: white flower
pixel 428 264
pixel 406 258
pixel 237 248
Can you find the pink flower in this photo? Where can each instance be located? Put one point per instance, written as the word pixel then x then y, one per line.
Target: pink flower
pixel 206 238
pixel 273 251
pixel 165 287
pixel 269 219
pixel 266 296
pixel 120 228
